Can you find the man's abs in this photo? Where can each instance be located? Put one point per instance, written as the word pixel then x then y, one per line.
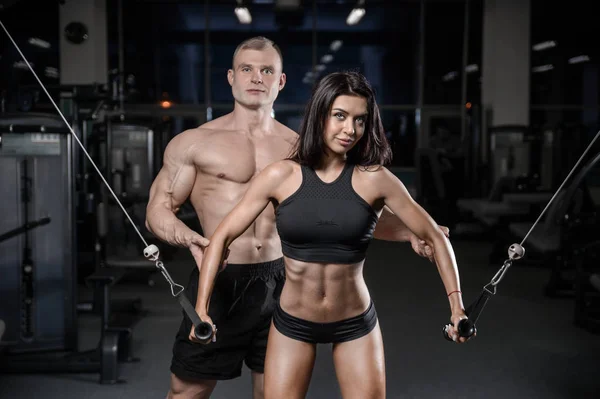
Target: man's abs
pixel 213 197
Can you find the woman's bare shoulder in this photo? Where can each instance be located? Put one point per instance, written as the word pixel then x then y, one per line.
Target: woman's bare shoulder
pixel 281 169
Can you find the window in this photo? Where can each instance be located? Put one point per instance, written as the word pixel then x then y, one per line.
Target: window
pixel 564 54
pixel 444 27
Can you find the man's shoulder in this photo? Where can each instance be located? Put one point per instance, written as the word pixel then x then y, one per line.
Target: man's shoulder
pixel 216 124
pixel 285 132
pixel 192 141
pixel 204 132
pixel 190 137
pixel 219 129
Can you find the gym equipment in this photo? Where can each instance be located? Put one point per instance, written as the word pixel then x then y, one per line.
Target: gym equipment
pixel 38 257
pixel 151 252
pixel 37 264
pixel 509 150
pixel 128 154
pixel 467 327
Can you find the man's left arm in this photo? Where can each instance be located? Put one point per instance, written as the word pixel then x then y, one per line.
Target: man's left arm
pixel 390 228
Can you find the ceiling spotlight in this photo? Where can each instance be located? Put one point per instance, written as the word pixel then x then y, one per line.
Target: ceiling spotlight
pixel 243 15
pixel 578 59
pixel 335 45
pixel 327 58
pixel 544 45
pixel 355 16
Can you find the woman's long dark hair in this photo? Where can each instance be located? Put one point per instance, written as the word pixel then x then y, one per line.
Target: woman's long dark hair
pixel 372 149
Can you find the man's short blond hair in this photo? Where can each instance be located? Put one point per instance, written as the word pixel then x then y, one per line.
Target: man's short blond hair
pixel 257 43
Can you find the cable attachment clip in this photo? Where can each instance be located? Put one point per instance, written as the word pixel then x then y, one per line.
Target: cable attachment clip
pixel 152 253
pixel 515 252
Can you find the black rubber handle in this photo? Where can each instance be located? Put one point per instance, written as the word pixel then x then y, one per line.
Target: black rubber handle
pixel 203 331
pixel 466 328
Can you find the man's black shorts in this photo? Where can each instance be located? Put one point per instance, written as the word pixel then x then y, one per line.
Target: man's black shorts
pixel 241 306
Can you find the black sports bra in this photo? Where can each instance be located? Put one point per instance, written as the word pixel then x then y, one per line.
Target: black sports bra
pixel 325 222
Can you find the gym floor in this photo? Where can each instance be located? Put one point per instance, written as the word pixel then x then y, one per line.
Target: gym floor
pixel 527 345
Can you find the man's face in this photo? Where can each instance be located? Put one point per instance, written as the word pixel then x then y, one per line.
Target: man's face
pixel 256 77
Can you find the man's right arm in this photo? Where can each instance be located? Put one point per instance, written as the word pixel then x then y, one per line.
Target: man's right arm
pixel 169 191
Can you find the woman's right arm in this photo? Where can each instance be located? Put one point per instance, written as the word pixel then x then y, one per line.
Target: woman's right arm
pixel 259 194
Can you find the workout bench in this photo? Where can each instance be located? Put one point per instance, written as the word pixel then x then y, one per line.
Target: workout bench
pixel 117 327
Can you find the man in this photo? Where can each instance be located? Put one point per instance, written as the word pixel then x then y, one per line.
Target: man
pixel 213 165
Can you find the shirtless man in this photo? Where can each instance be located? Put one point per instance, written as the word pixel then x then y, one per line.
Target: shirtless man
pixel 212 165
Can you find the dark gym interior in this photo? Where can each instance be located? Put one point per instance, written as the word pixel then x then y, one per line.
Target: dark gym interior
pixel 491 108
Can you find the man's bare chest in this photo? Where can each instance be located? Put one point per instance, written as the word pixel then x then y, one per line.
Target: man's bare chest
pixel 240 160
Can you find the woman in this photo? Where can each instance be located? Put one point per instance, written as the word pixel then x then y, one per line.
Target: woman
pixel 328 197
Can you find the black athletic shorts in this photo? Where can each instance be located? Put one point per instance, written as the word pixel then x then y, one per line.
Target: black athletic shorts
pixel 241 306
pixel 325 333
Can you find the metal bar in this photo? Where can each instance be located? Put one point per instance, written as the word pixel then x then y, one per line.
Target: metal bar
pixel 199 109
pixel 314 42
pixel 207 69
pixel 421 93
pixel 121 54
pixel 465 60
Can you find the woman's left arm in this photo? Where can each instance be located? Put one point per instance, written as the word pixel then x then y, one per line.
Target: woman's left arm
pixel 397 198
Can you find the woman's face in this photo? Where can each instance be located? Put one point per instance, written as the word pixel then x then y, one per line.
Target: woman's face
pixel 345 124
